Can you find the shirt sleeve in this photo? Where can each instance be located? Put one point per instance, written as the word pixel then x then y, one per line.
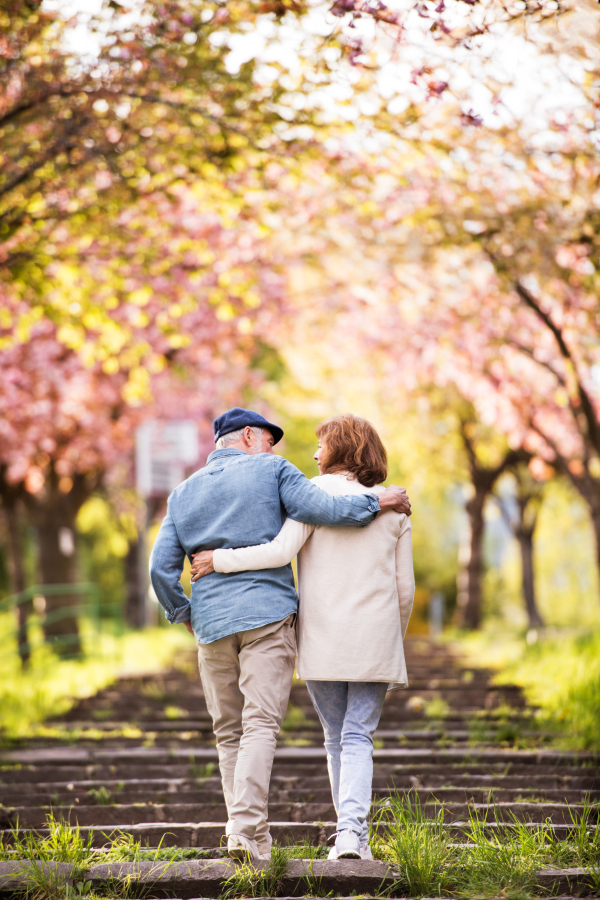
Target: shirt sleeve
pixel 305 502
pixel 166 566
pixel 405 578
pixel 278 552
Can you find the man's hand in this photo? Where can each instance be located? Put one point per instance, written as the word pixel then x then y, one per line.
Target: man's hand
pixel 188 625
pixel 202 564
pixel 395 498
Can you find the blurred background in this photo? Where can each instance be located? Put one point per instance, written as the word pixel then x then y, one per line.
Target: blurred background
pixel 306 208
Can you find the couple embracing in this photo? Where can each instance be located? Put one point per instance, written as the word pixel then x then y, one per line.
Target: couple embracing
pixel 241 520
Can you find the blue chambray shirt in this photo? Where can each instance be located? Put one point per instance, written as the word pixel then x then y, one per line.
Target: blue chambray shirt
pixel 235 501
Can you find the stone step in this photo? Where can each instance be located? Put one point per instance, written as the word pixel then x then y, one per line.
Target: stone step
pixel 208 834
pixel 169 789
pixel 123 793
pixel 307 778
pixel 410 755
pixel 205 878
pixel 163 734
pixel 133 814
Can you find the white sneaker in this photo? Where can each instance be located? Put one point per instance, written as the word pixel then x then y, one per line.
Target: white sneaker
pixel 365 852
pixel 241 847
pixel 347 845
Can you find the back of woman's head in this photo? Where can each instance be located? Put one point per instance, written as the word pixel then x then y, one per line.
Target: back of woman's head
pixel 352 445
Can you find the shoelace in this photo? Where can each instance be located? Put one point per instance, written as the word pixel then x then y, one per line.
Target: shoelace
pixel 337 833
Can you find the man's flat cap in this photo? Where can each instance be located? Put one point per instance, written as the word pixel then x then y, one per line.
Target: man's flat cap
pixel 238 418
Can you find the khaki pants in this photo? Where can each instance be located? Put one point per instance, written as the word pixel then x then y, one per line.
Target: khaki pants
pixel 247 679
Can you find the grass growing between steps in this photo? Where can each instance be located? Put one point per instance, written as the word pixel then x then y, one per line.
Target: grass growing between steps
pixel 559 672
pixel 50 686
pixel 64 844
pixel 420 847
pixel 248 881
pixel 502 863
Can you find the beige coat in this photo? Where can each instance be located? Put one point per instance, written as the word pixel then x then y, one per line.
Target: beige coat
pixel 356 589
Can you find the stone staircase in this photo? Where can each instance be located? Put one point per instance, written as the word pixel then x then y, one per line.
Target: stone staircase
pixel 139 758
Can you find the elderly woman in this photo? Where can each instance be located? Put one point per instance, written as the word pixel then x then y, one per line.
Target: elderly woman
pixel 356 588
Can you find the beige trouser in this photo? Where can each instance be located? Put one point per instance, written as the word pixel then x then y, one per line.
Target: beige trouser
pixel 247 679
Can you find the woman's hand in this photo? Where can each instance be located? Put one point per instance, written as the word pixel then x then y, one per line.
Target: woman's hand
pixel 202 564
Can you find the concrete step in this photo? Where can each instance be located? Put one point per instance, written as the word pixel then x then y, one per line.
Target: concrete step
pixel 144 756
pixel 208 834
pixel 133 814
pixel 170 792
pixel 304 776
pixel 205 878
pixel 111 792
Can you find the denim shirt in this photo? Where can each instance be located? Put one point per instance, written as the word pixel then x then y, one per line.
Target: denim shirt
pixel 235 501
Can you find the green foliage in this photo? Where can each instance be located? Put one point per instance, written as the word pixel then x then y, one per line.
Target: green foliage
pixel 560 675
pixel 64 844
pixel 494 862
pixel 436 708
pixel 504 862
pixel 103 545
pixel 306 850
pixel 50 686
pixel 294 719
pixel 201 771
pixel 105 797
pixel 249 881
pixel 418 845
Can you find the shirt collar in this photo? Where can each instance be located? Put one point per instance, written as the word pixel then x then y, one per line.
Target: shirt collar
pixel 224 451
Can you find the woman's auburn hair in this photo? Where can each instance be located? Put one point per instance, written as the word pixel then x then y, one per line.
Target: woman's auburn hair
pixel 351 444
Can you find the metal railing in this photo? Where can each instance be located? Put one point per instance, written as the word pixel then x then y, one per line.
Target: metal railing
pixel 92 610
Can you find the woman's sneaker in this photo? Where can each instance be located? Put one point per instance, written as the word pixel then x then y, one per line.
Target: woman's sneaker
pixel 365 852
pixel 347 845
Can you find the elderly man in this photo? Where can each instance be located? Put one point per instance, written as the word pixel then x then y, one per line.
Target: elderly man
pixel 244 622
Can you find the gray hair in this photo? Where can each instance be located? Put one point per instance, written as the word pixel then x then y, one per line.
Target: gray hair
pixel 234 436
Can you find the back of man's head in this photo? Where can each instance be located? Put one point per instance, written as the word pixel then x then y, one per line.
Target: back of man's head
pixel 235 437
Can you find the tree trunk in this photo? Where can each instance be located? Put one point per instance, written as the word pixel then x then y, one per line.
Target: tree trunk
pixel 589 488
pixel 135 613
pixel 53 512
pixel 17 573
pixel 529 499
pixel 470 594
pixel 55 529
pixel 595 515
pixel 525 539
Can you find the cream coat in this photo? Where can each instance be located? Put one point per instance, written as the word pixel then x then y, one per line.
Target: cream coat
pixel 356 589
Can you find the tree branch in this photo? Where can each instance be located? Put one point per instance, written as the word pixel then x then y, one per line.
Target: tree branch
pixel 584 398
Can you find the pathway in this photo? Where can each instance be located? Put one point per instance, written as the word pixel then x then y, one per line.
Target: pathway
pixel 139 756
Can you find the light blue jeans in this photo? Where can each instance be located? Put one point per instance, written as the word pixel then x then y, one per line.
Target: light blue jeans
pixel 349 712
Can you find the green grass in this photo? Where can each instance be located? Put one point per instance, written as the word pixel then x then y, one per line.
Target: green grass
pixel 250 881
pixel 492 863
pixel 103 796
pixel 419 844
pixel 559 673
pixel 50 686
pixel 201 772
pixel 294 719
pixel 267 881
pixel 436 708
pixel 416 844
